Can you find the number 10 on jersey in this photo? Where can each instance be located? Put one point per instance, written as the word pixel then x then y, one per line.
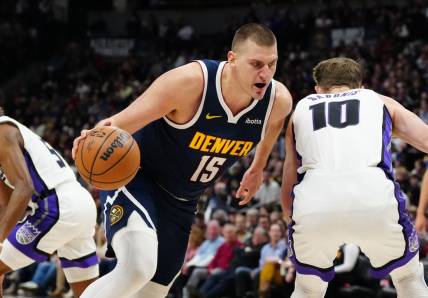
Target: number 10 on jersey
pixel 207 169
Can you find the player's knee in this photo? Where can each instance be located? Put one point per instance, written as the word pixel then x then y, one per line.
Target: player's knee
pixel 409 280
pixel 411 268
pixel 142 267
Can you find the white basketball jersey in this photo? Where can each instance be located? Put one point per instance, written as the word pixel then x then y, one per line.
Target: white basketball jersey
pixel 341 131
pixel 46 167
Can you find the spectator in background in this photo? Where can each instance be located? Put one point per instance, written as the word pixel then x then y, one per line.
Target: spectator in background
pixel 271 258
pixel 241 230
pixel 344 264
pixel 246 263
pixel 252 219
pixel 197 267
pixel 268 192
pixel 218 268
pixel 43 278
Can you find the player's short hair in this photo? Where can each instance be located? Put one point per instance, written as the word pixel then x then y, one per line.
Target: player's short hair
pixel 258 33
pixel 338 72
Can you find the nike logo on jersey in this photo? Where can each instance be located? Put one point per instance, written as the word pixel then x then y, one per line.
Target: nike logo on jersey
pixel 209 117
pixel 207 143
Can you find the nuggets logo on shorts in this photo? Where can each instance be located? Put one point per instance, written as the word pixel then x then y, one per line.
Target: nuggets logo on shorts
pixel 26 233
pixel 116 214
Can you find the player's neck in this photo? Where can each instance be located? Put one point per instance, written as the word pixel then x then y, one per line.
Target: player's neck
pixel 337 89
pixel 234 96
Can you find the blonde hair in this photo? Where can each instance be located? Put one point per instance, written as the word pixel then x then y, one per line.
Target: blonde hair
pixel 338 72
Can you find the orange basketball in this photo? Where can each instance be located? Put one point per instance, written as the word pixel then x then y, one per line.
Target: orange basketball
pixel 108 157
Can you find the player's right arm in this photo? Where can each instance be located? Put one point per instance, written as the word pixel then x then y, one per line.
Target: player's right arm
pixel 15 168
pixel 289 174
pixel 176 93
pixel 407 125
pixel 420 222
pixel 5 194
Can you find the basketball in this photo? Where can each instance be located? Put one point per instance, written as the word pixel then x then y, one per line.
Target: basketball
pixel 108 158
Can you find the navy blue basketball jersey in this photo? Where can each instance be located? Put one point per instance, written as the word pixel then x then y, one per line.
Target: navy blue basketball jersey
pixel 184 159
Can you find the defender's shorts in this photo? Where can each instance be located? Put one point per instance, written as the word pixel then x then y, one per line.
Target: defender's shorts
pixel 361 207
pixel 64 222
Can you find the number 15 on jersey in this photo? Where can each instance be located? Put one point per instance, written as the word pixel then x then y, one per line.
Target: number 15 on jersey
pixel 207 169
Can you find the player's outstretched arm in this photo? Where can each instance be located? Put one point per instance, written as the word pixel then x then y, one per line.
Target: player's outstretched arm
pixel 253 177
pixel 13 164
pixel 407 125
pixel 289 174
pixel 422 207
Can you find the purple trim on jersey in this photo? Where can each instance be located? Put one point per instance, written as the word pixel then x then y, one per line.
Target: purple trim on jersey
pixel 83 262
pixel 32 230
pixel 386 160
pixel 325 274
pixel 38 183
pixel 298 156
pixel 409 232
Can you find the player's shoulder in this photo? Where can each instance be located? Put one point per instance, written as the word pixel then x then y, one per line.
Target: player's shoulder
pixel 191 72
pixel 10 135
pixel 184 80
pixel 8 130
pixel 283 98
pixel 282 92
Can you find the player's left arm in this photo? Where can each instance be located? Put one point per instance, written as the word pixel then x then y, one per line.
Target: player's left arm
pixel 420 221
pixel 289 174
pixel 407 125
pixel 13 164
pixel 253 177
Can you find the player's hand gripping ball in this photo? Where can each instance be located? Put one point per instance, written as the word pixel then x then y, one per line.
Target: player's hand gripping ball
pixel 108 158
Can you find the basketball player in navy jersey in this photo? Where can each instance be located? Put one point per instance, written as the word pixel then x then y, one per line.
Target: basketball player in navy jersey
pixel 43 209
pixel 338 183
pixel 191 124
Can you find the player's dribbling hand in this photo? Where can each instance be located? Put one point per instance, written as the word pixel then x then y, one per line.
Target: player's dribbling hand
pixel 249 185
pixel 84 133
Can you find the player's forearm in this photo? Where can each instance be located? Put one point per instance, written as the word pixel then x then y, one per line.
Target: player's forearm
pixel 129 120
pixel 14 210
pixel 423 197
pixel 286 200
pixel 289 178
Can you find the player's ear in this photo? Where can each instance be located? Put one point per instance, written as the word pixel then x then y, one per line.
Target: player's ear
pixel 231 57
pixel 317 89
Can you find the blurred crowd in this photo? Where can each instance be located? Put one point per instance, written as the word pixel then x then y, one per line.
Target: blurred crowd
pixel 233 251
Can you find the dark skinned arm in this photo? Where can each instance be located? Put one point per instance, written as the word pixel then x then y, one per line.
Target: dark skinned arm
pixel 15 168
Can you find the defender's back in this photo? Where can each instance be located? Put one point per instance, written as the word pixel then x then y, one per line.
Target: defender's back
pixel 342 131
